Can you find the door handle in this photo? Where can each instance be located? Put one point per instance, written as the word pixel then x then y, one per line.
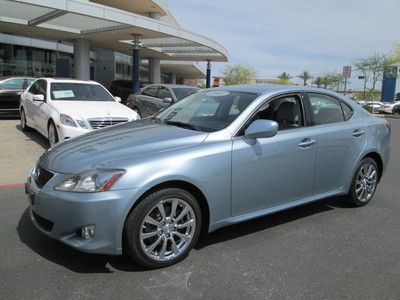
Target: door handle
pixel 358 132
pixel 306 143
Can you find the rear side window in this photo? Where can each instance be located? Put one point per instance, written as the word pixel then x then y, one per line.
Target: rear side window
pixel 12 84
pixel 325 109
pixel 164 93
pixel 151 91
pixel 347 111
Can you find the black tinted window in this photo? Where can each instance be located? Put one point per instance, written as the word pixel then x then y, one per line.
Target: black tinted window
pixel 34 88
pixel 325 109
pixel 181 93
pixel 151 91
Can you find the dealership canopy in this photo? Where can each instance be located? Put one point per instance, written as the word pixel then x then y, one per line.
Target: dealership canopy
pixel 107 27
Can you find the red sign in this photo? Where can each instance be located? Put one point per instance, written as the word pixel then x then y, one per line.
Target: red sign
pixel 346 72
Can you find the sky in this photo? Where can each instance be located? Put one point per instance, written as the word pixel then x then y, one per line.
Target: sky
pixel 275 36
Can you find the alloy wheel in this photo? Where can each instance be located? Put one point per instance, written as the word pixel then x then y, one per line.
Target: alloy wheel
pixel 167 229
pixel 366 182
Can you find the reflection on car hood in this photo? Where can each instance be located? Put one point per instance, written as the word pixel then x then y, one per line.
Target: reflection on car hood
pixel 115 143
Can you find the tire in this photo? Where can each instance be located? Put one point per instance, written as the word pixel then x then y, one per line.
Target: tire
pixel 136 110
pixel 168 239
pixel 24 127
pixel 52 134
pixel 364 183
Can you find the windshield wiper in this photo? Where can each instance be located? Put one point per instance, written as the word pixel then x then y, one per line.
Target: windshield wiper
pixel 180 124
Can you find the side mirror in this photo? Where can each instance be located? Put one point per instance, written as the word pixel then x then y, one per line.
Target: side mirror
pixel 167 100
pixel 118 99
pixel 38 98
pixel 261 129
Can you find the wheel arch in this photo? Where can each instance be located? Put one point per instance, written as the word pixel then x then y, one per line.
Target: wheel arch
pixel 184 185
pixel 378 159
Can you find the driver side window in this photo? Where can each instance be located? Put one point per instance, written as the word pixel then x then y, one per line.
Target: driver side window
pixel 286 111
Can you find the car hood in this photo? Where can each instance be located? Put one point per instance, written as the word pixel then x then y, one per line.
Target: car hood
pixel 117 143
pixel 93 109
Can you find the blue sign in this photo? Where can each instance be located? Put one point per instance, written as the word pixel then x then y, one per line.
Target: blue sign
pixel 389 84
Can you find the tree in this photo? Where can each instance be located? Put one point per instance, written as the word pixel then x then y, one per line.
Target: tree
pixel 372 68
pixel 318 81
pixel 305 76
pixel 238 74
pixel 283 78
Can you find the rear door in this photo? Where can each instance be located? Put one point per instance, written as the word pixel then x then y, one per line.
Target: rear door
pixel 272 171
pixel 148 100
pixel 340 140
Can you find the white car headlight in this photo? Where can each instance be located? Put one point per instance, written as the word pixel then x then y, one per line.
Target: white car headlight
pixel 91 181
pixel 81 124
pixel 67 120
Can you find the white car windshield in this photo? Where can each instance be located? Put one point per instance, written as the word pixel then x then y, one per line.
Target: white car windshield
pixel 209 110
pixel 77 91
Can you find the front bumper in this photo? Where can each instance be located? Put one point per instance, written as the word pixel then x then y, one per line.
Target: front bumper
pixel 60 215
pixel 67 132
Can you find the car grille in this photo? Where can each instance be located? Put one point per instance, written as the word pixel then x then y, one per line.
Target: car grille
pixel 104 122
pixel 43 222
pixel 42 176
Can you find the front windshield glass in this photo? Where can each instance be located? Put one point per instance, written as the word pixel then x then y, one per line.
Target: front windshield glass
pixel 208 111
pixel 74 91
pixel 181 93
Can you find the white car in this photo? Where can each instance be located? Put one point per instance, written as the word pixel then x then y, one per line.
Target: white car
pixel 387 107
pixel 65 108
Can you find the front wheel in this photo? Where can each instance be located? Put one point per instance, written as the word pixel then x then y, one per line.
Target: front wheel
pixel 24 126
pixel 163 228
pixel 52 134
pixel 364 183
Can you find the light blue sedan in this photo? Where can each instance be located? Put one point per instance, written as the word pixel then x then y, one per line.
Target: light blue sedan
pixel 218 157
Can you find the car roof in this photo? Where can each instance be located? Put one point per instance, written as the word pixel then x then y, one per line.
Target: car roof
pixel 268 88
pixel 172 86
pixel 71 80
pixel 16 77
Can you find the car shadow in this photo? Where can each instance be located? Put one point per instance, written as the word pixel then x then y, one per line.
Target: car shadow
pixel 269 221
pixel 80 262
pixel 35 136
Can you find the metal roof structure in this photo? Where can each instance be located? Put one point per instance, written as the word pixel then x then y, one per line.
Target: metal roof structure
pixel 108 27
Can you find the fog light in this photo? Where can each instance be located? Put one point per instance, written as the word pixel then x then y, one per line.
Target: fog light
pixel 87 232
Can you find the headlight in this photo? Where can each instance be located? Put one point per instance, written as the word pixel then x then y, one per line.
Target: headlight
pixel 81 124
pixel 91 181
pixel 67 120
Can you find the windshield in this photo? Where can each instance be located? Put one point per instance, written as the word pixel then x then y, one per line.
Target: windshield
pixel 181 93
pixel 75 91
pixel 207 110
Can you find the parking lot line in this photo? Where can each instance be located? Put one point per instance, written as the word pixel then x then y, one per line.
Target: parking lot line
pixel 7 186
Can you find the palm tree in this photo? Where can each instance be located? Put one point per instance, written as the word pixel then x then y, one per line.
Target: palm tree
pixel 318 81
pixel 305 76
pixel 284 76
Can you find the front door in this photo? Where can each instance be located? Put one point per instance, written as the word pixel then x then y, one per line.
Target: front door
pixel 271 171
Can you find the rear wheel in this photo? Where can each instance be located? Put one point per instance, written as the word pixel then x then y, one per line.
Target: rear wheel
pixel 364 183
pixel 23 121
pixel 52 134
pixel 163 228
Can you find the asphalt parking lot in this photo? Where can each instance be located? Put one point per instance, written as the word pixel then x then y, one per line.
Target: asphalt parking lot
pixel 323 250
